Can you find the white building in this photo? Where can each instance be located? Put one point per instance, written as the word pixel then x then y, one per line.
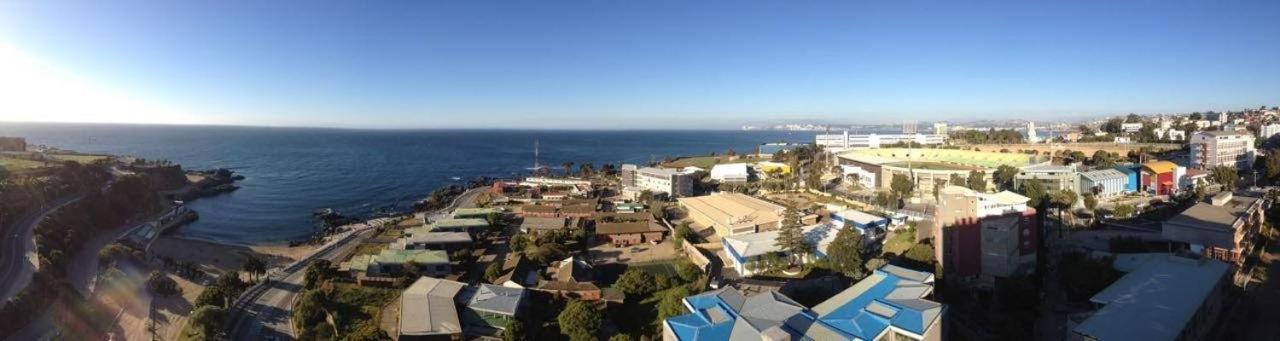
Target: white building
pixel 1031 133
pixel 1131 127
pixel 1175 135
pixel 865 178
pixel 730 172
pixel 940 129
pixel 1222 148
pixel 845 140
pixel 1105 182
pixel 677 183
pixel 1268 131
pixel 1122 139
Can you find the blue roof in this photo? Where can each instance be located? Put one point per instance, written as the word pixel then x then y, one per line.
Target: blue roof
pixel 884 299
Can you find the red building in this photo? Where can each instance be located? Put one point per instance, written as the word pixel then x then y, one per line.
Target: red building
pixel 1159 177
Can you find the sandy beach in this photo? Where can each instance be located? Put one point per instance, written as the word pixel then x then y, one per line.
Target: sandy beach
pixel 220 258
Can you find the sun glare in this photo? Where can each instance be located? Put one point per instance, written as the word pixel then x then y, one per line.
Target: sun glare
pixel 32 89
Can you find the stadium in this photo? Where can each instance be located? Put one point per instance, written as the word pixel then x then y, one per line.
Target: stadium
pixel 876 167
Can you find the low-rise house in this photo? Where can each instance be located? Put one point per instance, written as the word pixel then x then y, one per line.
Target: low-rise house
pixel 570 278
pixel 428 310
pixel 517 272
pixel 628 207
pixel 891 304
pixel 733 213
pixel 540 224
pixel 1104 183
pixel 458 225
pixel 390 263
pixel 558 211
pixel 1133 183
pixel 439 309
pixel 730 172
pixel 749 253
pixel 1161 297
pixel 871 226
pixel 1225 228
pixel 1193 178
pixel 628 229
pixel 435 240
pixel 479 213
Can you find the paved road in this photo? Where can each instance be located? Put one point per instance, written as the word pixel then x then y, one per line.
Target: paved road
pixel 17 249
pixel 268 311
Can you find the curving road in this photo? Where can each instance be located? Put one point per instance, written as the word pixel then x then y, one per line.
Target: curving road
pixel 17 249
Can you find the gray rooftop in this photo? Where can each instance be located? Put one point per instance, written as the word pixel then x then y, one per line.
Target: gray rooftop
pixel 1155 301
pixel 1103 174
pixel 492 298
pixel 428 308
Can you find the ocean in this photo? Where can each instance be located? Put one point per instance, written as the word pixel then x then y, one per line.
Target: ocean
pixel 292 172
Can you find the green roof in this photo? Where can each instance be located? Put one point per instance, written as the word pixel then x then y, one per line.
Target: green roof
pixel 358 263
pixel 459 223
pixel 391 256
pixel 473 212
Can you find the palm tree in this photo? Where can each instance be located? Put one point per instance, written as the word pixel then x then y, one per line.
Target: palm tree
pixel 568 168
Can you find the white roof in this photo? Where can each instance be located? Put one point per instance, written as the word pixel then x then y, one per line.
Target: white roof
pixel 427 307
pixel 729 169
pixel 1154 301
pixel 860 217
pixel 761 243
pixel 1098 175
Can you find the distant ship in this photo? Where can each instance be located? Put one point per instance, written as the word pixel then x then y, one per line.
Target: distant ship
pixel 455 179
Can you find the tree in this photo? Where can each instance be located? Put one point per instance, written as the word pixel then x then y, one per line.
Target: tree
pixel 1063 200
pixel 519 242
pixel 636 282
pixel 1103 159
pixel 1225 175
pixel 580 321
pixel 317 272
pixel 681 234
pixel 1124 211
pixel 586 169
pixel 492 272
pixel 310 309
pixel 1113 126
pixel 1035 191
pixel 1004 176
pixel 957 180
pixel 568 168
pixel 515 331
pixel 884 199
pixel 208 320
pixel 845 252
pixel 672 303
pixel 620 337
pixel 162 284
pixel 977 181
pixel 791 236
pixel 254 266
pixel 1272 164
pixel 687 272
pixel 901 186
pixel 1090 202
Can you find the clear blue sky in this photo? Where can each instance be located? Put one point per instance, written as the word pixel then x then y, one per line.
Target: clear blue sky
pixel 642 64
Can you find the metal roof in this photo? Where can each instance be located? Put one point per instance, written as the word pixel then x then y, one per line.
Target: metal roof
pixel 427 307
pixel 1155 301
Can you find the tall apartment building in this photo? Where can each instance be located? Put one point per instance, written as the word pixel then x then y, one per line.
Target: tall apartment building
pixel 1268 131
pixel 1222 148
pixel 984 235
pixel 674 182
pixel 845 140
pixel 13 144
pixel 940 128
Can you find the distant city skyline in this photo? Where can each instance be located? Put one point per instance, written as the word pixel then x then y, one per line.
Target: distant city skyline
pixel 633 65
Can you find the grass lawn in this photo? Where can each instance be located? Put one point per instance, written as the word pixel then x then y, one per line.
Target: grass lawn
pixel 705 162
pixel 19 165
pixel 609 273
pixel 898 242
pixel 369 249
pixel 391 233
pixel 81 158
pixel 353 305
